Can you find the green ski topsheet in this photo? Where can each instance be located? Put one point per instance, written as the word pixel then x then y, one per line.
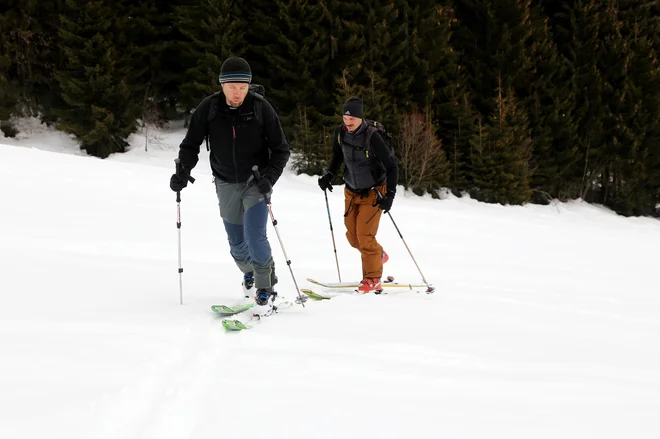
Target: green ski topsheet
pixel 314 294
pixel 234 325
pixel 229 310
pixel 250 321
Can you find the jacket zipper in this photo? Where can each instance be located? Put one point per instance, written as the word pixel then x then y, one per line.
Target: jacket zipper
pixel 233 146
pixel 353 174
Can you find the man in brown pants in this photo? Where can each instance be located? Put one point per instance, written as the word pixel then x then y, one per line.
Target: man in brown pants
pixel 371 170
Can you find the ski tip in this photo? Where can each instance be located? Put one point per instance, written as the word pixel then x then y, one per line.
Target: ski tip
pixel 313 295
pixel 233 325
pixel 227 310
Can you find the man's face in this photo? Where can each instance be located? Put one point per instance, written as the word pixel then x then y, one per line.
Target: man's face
pixel 235 92
pixel 352 123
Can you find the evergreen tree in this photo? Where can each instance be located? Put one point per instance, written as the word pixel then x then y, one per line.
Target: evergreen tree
pixel 8 85
pixel 503 148
pixel 369 45
pixel 144 29
pixel 99 110
pixel 517 42
pixel 213 33
pixel 637 170
pixel 28 52
pixel 440 82
pixel 597 57
pixel 526 100
pixel 476 41
pixel 300 83
pixel 550 108
pixel 258 34
pixel 583 39
pixel 609 46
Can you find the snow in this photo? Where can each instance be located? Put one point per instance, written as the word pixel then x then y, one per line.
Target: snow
pixel 545 323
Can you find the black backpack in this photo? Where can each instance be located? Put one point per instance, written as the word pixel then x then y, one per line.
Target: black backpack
pixel 257 90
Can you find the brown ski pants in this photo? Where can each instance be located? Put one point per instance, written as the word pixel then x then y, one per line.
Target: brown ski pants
pixel 362 219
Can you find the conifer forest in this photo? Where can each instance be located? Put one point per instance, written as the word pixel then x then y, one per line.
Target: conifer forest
pixel 509 101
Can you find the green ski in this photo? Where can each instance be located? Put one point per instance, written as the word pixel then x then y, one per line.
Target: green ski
pixel 230 310
pixel 252 321
pixel 315 295
pixel 234 325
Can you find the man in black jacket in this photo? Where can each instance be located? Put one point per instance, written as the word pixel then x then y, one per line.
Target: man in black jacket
pixel 243 130
pixel 371 177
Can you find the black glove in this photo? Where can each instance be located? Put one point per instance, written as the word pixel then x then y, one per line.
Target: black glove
pixel 325 182
pixel 385 203
pixel 264 185
pixel 179 180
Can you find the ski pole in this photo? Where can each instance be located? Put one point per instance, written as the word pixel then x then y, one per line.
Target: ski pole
pixel 178 226
pixel 300 299
pixel 332 232
pixel 429 288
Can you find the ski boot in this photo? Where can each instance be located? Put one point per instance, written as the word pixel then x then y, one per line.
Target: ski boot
pixel 370 285
pixel 248 284
pixel 264 303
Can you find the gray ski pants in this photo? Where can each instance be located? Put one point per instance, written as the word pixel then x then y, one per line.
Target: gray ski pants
pixel 245 216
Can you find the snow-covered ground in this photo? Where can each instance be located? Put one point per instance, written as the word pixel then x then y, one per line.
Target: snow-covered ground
pixel 545 323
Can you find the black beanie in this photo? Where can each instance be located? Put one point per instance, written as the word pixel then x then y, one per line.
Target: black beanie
pixel 235 69
pixel 353 107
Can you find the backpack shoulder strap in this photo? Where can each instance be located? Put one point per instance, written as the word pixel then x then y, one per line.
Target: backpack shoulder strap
pixel 258 107
pixel 367 137
pixel 339 133
pixel 213 110
pixel 213 107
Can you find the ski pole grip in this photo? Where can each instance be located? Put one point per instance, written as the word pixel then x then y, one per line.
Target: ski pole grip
pixel 255 172
pixel 257 177
pixel 179 168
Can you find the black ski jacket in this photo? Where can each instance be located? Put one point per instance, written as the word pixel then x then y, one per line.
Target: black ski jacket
pixel 238 139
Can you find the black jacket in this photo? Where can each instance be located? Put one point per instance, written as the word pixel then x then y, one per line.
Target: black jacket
pixel 237 139
pixel 363 171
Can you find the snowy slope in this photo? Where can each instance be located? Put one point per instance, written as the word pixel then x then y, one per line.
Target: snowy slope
pixel 545 323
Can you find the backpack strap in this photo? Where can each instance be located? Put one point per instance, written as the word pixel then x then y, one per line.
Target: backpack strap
pixel 367 140
pixel 339 132
pixel 213 109
pixel 258 108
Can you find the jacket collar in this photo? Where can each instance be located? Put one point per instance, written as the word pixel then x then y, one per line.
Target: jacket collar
pixel 246 108
pixel 359 131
